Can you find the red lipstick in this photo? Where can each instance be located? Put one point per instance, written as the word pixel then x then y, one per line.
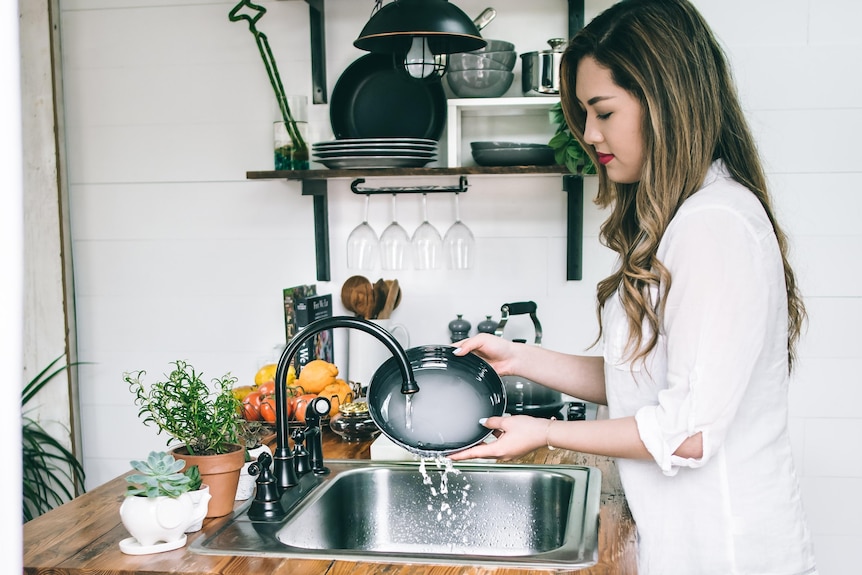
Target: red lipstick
pixel 604 159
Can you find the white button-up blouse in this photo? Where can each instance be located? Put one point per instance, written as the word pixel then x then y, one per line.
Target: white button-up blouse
pixel 720 368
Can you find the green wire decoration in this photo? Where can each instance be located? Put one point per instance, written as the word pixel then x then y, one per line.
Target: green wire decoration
pixel 299 144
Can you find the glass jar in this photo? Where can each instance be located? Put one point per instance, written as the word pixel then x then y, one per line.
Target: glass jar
pixel 353 422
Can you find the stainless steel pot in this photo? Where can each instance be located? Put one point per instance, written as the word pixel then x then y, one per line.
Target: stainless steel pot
pixel 540 71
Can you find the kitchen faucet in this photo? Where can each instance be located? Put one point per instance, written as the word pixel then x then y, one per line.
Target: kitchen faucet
pixel 271 486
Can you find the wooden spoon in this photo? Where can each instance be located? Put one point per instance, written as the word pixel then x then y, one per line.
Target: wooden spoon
pixel 397 296
pixel 381 290
pixel 357 295
pixel 393 294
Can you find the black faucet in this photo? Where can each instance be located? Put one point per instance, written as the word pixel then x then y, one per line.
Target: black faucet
pixel 285 472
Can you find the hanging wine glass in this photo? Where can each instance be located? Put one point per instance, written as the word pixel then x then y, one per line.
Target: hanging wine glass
pixel 459 243
pixel 393 243
pixel 362 244
pixel 427 243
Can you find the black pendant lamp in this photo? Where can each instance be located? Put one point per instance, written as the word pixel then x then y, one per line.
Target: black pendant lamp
pixel 420 34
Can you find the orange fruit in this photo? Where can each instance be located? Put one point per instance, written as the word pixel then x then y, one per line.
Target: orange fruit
pixel 338 394
pixel 316 375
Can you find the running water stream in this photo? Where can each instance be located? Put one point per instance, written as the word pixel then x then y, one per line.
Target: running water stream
pixel 450 505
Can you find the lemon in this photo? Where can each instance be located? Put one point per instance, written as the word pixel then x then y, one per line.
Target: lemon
pixel 267 373
pixel 264 374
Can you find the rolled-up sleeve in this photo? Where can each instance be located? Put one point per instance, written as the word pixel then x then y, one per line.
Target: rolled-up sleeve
pixel 715 321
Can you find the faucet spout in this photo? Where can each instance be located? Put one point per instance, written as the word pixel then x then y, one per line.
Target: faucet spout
pixel 285 471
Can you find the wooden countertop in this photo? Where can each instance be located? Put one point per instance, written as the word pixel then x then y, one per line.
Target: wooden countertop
pixel 82 536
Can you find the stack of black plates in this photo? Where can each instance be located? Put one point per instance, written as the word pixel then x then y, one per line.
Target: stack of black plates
pixel 356 153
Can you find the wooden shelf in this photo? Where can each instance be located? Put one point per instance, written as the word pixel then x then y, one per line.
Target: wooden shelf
pixel 404 172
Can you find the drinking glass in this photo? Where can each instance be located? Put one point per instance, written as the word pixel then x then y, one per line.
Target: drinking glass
pixel 459 243
pixel 362 244
pixel 393 243
pixel 427 243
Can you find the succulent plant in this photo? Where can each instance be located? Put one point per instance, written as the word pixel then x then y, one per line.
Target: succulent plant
pixel 161 475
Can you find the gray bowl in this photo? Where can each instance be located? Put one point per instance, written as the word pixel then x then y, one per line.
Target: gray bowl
pixel 483 61
pixel 524 156
pixel 496 145
pixel 479 83
pixel 496 46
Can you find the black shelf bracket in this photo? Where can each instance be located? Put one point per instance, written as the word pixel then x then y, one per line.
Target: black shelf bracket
pixel 574 186
pixel 459 189
pixel 317 189
pixel 576 16
pixel 317 25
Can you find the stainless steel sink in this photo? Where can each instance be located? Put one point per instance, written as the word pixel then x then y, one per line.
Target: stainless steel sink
pixel 532 516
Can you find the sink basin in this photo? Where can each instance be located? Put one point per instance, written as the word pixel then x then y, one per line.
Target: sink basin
pixel 531 516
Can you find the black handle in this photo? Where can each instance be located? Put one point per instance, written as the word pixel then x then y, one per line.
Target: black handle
pixel 520 307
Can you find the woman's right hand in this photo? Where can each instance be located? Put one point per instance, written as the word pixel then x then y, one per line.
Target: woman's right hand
pixel 499 352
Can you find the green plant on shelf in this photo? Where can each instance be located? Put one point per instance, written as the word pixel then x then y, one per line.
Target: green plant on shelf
pixel 567 150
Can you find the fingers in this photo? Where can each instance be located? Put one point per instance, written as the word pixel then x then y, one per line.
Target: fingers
pixel 465 346
pixel 494 422
pixel 483 450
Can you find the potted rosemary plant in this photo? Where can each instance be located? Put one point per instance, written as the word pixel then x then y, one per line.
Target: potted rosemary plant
pixel 204 420
pixel 162 504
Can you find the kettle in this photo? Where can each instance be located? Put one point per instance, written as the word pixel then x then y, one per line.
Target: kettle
pixel 526 397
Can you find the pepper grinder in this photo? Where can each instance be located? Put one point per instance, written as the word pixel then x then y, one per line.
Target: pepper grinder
pixel 487 326
pixel 459 328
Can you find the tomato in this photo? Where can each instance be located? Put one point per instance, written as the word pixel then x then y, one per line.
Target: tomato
pixel 251 406
pixel 267 409
pixel 301 402
pixel 267 388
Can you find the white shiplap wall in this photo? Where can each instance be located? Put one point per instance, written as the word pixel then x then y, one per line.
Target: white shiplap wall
pixel 178 256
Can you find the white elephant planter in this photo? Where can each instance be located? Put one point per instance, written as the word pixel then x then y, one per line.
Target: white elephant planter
pixel 201 499
pixel 160 523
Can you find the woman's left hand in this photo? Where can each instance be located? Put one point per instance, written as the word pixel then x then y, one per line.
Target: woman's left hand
pixel 516 436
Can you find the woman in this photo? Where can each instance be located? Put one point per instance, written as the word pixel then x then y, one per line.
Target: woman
pixel 698 321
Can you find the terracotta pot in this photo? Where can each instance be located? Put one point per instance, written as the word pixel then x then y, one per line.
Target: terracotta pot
pixel 220 472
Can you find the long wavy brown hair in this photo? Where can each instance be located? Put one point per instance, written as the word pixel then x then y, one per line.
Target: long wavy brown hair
pixel 665 55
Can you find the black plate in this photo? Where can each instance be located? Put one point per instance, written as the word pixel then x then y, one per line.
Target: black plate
pixel 372 99
pixel 454 393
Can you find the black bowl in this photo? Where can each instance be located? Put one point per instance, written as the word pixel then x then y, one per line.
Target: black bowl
pixel 454 393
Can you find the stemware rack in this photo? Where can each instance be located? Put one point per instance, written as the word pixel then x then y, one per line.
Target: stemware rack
pixel 314 184
pixel 459 189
